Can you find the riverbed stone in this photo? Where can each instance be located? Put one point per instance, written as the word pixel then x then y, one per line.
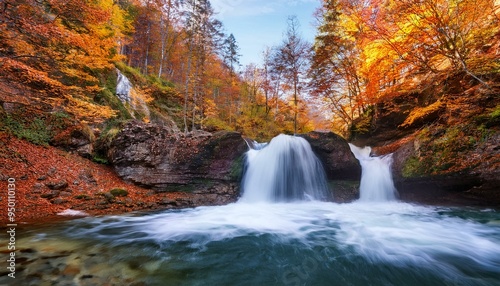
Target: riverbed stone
pixel 50 195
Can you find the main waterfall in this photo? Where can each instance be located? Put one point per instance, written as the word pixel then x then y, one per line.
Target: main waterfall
pixel 284 170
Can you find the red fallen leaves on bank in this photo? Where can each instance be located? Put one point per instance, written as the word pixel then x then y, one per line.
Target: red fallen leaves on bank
pixel 49 181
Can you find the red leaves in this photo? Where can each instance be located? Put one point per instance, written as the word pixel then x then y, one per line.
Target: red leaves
pixel 34 167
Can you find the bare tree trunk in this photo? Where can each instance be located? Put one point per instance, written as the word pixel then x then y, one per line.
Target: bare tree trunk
pixel 148 32
pixel 295 111
pixel 186 91
pixel 162 52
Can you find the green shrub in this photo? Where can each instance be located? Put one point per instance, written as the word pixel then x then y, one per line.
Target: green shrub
pixel 99 159
pixel 36 131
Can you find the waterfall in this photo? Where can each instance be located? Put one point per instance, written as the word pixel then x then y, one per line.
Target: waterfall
pixel 123 87
pixel 376 178
pixel 129 95
pixel 284 170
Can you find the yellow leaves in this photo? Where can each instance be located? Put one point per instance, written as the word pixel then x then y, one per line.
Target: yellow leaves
pixel 210 108
pixel 79 75
pixel 93 89
pixel 350 27
pixel 419 114
pixel 440 63
pixel 86 111
pixel 144 94
pixel 377 52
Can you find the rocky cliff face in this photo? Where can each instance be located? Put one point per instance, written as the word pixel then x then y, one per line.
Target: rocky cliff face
pixel 445 142
pixel 442 176
pixel 152 156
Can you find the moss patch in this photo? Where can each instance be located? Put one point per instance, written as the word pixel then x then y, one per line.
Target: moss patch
pixel 34 127
pixel 118 192
pixel 236 171
pixel 445 150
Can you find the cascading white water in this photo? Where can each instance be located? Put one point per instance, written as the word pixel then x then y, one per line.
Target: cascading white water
pixel 123 87
pixel 284 170
pixel 129 95
pixel 376 178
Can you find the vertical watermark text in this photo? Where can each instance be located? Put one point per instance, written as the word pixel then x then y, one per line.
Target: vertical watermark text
pixel 11 227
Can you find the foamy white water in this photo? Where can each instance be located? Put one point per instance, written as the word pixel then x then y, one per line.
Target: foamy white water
pixel 123 87
pixel 376 178
pixel 392 233
pixel 258 241
pixel 286 169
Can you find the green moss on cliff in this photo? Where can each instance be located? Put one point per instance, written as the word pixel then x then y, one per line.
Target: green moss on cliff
pixel 236 171
pixel 443 150
pixel 35 127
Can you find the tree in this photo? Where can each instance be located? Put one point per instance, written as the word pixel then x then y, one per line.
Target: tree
pixel 435 35
pixel 168 34
pixel 335 68
pixel 230 54
pixel 292 58
pixel 203 34
pixel 54 47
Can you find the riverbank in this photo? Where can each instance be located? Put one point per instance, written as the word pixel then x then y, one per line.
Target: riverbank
pixel 49 181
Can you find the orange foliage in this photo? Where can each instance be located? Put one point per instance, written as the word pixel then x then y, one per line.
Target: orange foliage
pixel 380 47
pixel 53 46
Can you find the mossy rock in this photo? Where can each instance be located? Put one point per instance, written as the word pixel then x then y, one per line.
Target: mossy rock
pixel 118 192
pixel 236 171
pixel 83 197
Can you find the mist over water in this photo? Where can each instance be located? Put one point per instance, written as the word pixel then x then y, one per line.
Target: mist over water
pixel 310 242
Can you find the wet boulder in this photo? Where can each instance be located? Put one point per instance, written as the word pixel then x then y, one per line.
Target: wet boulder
pixel 334 153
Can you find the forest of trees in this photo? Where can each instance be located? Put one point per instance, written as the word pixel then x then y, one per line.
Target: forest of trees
pixel 369 51
pixel 364 52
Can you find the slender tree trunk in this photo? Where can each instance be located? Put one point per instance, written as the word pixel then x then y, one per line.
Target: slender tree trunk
pixel 195 98
pixel 162 52
pixel 186 91
pixel 148 33
pixel 295 103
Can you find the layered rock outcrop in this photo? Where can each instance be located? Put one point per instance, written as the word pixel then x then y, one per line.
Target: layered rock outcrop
pixel 152 156
pixel 209 164
pixel 476 182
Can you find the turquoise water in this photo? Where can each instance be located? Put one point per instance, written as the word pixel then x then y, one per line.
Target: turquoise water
pixel 308 243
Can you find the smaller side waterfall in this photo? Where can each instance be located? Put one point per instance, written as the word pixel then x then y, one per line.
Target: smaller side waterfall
pixel 123 87
pixel 376 178
pixel 284 170
pixel 129 95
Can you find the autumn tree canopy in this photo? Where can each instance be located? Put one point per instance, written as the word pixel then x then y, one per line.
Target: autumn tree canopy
pixel 65 54
pixel 366 51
